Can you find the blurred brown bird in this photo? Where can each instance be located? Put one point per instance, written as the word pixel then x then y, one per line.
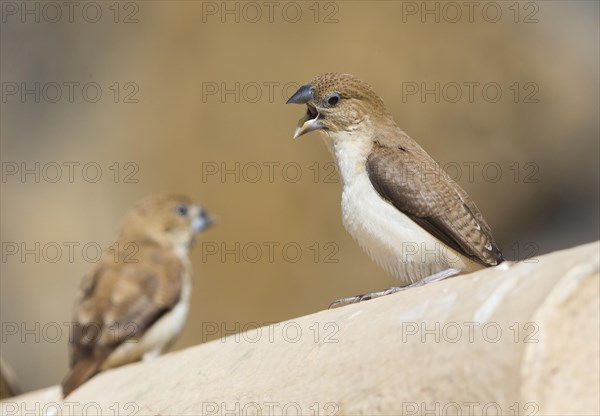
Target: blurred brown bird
pixel 134 302
pixel 8 382
pixel 397 203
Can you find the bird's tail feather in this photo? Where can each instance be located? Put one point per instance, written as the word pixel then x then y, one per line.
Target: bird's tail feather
pixel 80 373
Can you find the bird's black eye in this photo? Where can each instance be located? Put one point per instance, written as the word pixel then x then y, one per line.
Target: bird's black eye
pixel 333 99
pixel 181 210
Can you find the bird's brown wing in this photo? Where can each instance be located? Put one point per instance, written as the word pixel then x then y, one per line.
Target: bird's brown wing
pixel 117 302
pixel 414 183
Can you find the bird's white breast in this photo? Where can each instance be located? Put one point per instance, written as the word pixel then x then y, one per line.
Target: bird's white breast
pixel 391 238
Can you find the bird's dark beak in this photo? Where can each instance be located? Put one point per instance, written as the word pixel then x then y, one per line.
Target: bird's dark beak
pixel 310 121
pixel 302 96
pixel 202 221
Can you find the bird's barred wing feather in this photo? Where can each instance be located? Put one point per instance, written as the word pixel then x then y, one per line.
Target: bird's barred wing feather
pixel 119 301
pixel 422 191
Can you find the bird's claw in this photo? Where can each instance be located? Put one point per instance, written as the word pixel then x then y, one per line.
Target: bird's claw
pixel 444 274
pixel 365 296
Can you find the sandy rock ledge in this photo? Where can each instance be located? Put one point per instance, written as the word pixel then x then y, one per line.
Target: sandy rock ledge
pixel 522 338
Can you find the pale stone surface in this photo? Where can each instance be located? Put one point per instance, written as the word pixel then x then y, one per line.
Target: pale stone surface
pixel 522 338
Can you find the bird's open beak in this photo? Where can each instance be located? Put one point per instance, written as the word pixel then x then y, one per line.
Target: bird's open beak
pixel 310 121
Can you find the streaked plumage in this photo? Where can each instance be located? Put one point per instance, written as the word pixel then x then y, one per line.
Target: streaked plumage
pixel 395 198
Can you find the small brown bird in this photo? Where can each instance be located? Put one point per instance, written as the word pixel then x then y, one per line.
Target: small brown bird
pixel 397 203
pixel 134 302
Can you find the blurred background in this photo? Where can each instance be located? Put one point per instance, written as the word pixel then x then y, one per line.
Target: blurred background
pixel 135 98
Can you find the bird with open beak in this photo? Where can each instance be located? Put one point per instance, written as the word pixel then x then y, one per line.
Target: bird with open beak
pixel 134 302
pixel 397 203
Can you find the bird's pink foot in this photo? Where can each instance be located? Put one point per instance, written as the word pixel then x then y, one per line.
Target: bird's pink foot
pixel 444 274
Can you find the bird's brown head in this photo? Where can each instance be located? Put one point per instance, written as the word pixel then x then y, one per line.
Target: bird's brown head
pixel 336 103
pixel 170 220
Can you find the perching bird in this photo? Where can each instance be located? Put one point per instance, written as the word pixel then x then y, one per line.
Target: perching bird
pixel 397 203
pixel 134 302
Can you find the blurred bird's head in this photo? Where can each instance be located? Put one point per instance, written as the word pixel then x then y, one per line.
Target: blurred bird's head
pixel 172 221
pixel 337 103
